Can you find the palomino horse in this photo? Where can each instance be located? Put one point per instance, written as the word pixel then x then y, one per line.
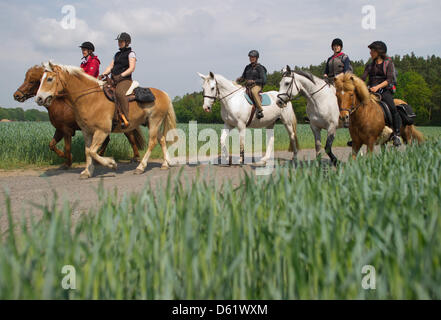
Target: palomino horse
pixel 236 112
pixel 364 116
pixel 94 113
pixel 322 106
pixel 62 118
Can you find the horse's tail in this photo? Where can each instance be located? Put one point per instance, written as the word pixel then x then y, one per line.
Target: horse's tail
pixel 170 119
pixel 139 138
pixel 415 134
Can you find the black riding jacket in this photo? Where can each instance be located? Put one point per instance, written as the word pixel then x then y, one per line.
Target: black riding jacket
pixel 255 72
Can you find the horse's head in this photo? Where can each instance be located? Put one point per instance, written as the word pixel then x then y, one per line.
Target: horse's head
pixel 210 90
pixel 288 87
pixel 29 87
pixel 51 84
pixel 351 91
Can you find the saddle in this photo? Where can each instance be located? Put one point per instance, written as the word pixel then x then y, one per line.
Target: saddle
pixel 265 100
pixel 405 111
pixel 135 93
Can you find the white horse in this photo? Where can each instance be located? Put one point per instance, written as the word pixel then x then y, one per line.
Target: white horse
pixel 236 112
pixel 322 106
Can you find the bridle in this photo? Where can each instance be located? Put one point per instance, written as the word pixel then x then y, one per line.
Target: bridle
pixel 26 96
pixel 352 108
pixel 292 75
pixel 61 93
pixel 216 97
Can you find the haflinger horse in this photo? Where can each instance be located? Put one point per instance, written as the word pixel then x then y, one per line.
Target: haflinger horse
pixel 94 113
pixel 363 115
pixel 321 108
pixel 236 112
pixel 62 117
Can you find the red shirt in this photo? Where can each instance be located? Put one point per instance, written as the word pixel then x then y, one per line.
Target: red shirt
pixel 91 66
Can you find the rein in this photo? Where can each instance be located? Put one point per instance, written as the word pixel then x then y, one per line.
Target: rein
pixel 289 95
pixel 218 93
pixel 63 86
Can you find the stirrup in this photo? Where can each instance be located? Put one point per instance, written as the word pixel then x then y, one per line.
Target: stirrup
pixel 396 141
pixel 259 114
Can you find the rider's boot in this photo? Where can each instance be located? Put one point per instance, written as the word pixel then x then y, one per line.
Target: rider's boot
pixel 396 124
pixel 259 113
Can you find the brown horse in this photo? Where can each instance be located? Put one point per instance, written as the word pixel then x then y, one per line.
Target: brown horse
pixel 94 113
pixel 62 117
pixel 360 111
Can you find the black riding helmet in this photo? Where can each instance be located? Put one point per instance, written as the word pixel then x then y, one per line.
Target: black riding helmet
pixel 378 46
pixel 253 53
pixel 124 37
pixel 88 45
pixel 337 42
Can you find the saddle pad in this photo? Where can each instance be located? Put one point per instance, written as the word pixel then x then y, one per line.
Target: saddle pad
pixel 266 100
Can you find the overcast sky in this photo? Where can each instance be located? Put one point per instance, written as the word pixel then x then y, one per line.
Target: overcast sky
pixel 175 39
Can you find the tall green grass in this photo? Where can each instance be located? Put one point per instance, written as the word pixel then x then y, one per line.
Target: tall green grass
pixel 27 143
pixel 301 233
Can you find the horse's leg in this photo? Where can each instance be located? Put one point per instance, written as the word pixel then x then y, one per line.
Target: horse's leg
pixel 162 141
pixel 242 132
pixel 88 172
pixel 292 137
pixel 67 150
pixel 131 137
pixel 104 146
pixel 356 146
pixel 58 135
pixel 223 139
pixel 97 141
pixel 317 139
pixel 154 125
pixel 269 147
pixel 329 142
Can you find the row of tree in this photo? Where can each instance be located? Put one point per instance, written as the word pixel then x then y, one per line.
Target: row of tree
pixel 419 84
pixel 18 114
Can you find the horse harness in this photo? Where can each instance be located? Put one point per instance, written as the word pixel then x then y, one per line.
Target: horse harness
pixel 292 75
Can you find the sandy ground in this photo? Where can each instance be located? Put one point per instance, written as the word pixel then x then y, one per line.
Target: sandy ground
pixel 30 188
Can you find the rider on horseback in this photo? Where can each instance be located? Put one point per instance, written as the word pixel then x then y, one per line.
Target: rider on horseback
pixel 381 73
pixel 91 63
pixel 338 63
pixel 121 68
pixel 254 77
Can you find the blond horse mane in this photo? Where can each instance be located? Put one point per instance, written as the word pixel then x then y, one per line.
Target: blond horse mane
pixel 350 82
pixel 72 70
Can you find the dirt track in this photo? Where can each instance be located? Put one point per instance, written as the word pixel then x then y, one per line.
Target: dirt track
pixel 28 188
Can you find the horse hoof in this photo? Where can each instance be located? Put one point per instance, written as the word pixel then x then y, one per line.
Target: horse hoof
pixel 138 171
pixel 84 176
pixel 165 167
pixel 134 160
pixel 64 167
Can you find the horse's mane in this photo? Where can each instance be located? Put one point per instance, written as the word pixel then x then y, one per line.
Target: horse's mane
pixel 306 74
pixel 221 77
pixel 32 70
pixel 350 82
pixel 75 71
